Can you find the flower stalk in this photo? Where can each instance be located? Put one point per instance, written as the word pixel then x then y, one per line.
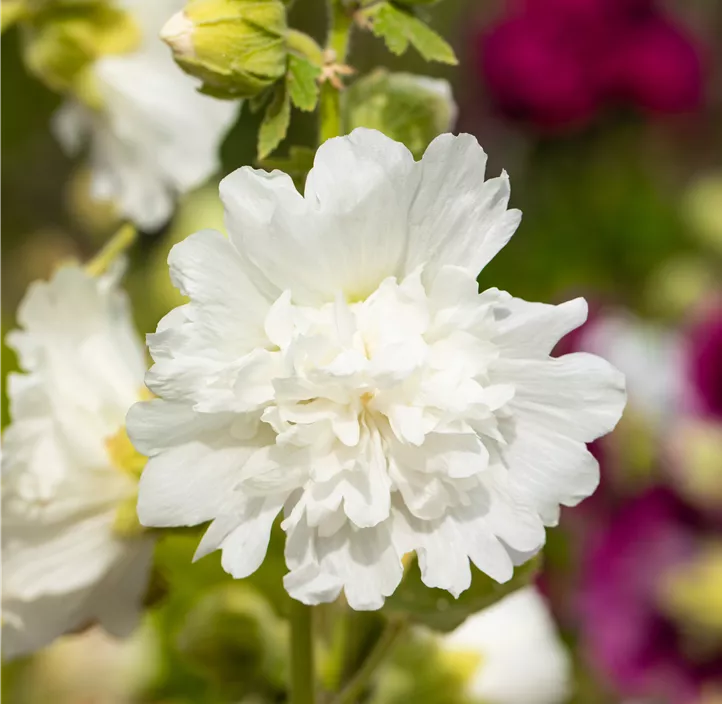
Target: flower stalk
pixel 352 692
pixel 121 241
pixel 303 690
pixel 337 46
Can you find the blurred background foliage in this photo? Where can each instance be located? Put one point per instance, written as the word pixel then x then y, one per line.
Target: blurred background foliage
pixel 622 203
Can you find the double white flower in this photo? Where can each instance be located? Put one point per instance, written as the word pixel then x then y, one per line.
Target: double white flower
pixel 72 551
pixel 155 137
pixel 337 364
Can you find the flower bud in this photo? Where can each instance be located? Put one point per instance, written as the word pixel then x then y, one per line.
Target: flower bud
pixel 236 47
pixel 63 39
pixel 232 635
pixel 408 108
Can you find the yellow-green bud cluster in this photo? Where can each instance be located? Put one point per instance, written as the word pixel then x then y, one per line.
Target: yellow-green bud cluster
pixel 62 39
pixel 236 47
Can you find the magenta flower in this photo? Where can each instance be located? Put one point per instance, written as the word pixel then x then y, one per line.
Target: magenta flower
pixel 704 360
pixel 556 63
pixel 624 628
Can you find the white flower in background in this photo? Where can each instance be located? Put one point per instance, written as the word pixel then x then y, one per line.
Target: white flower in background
pixel 72 550
pixel 155 136
pixel 521 659
pixel 337 363
pixel 651 358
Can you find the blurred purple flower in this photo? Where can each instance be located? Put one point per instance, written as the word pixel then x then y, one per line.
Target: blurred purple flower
pixel 704 357
pixel 624 629
pixel 556 63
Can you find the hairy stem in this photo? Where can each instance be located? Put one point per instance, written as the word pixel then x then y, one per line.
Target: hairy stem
pixel 302 667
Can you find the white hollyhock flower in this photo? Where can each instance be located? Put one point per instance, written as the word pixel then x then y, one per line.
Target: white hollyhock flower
pixel 521 659
pixel 156 136
pixel 337 363
pixel 71 552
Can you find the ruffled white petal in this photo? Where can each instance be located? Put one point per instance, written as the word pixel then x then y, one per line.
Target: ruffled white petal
pixel 245 547
pixel 345 235
pixel 362 562
pixel 457 218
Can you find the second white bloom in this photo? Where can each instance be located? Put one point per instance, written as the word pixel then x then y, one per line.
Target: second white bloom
pixel 337 363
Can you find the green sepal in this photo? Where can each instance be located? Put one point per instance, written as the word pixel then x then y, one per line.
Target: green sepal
pixel 437 609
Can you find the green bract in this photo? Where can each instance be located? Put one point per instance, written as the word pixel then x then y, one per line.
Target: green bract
pixel 62 39
pixel 236 47
pixel 408 108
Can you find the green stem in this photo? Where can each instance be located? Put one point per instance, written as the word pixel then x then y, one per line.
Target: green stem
pixel 360 681
pixel 339 32
pixel 302 668
pixel 338 40
pixel 117 244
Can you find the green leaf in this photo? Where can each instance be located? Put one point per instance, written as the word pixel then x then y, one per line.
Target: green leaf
pixel 399 27
pixel 298 162
pixel 275 122
pixel 258 102
pixel 439 610
pixel 301 81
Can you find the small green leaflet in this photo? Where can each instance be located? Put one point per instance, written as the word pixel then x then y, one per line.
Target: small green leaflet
pixel 275 121
pixel 301 82
pixel 399 27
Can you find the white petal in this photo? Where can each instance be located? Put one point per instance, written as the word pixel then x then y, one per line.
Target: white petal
pixel 347 234
pixel 546 470
pixel 156 137
pixel 206 268
pixel 191 482
pixel 245 547
pixel 53 559
pixel 117 602
pixel 457 218
pixel 531 330
pixel 578 395
pixel 363 561
pixel 440 547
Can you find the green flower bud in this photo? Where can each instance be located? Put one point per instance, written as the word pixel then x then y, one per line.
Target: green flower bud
pixel 408 108
pixel 233 637
pixel 236 47
pixel 62 39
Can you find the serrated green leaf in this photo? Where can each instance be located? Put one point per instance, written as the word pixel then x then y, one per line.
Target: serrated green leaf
pixel 439 610
pixel 275 122
pixel 301 82
pixel 399 27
